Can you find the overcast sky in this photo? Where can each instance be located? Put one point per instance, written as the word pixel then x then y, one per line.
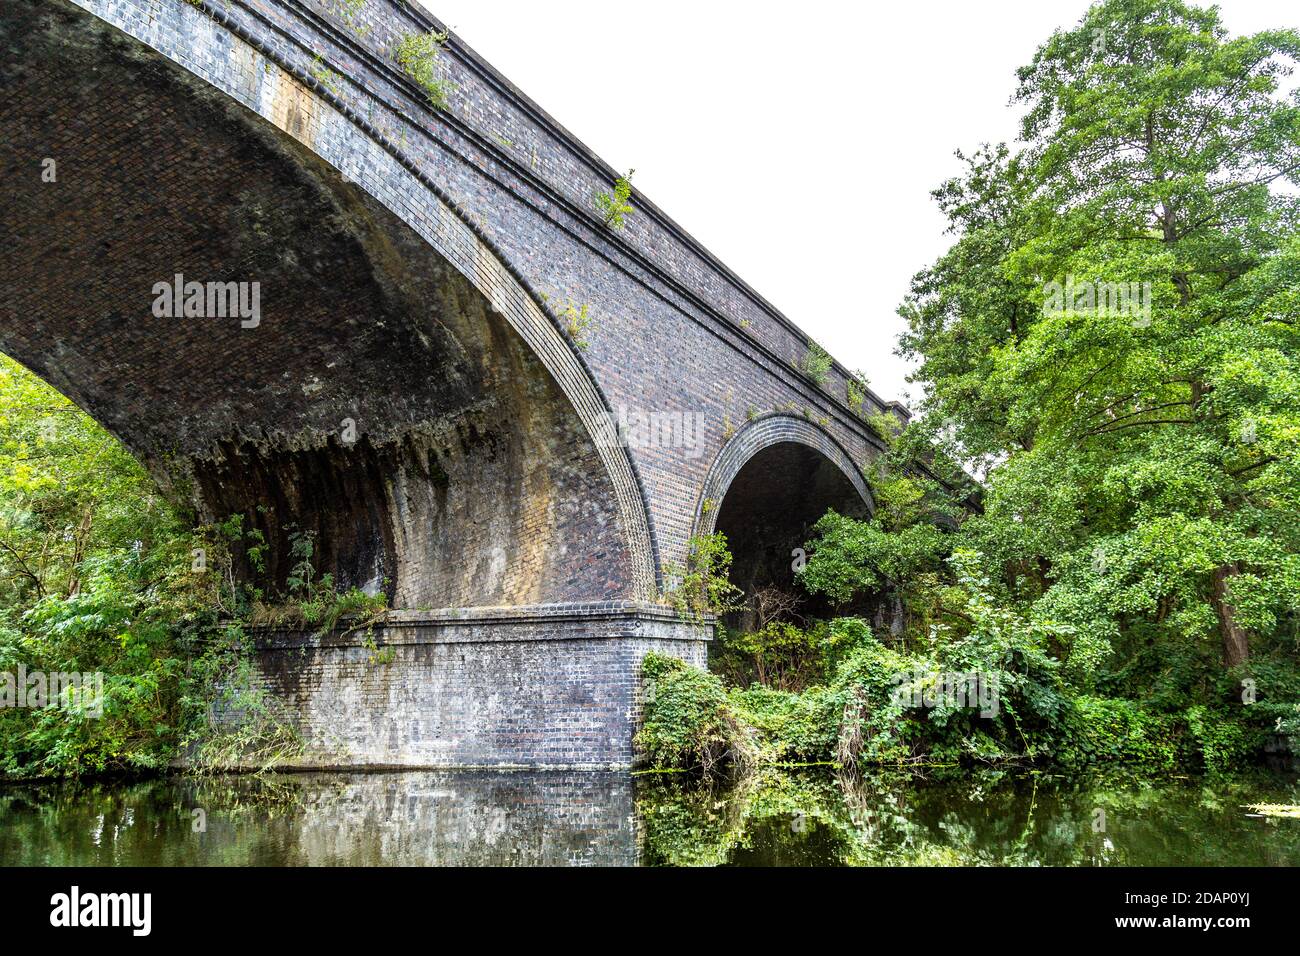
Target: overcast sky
pixel 798 142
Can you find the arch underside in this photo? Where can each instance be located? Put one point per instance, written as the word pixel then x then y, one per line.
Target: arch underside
pixel 466 478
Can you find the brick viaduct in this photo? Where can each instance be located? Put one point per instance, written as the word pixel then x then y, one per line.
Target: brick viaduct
pixel 410 392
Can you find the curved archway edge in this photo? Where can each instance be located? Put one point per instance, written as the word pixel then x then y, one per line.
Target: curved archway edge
pixel 763 433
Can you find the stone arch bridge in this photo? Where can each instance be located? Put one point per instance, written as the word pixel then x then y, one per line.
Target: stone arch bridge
pixel 239 235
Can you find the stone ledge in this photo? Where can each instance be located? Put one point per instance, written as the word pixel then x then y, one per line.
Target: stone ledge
pixel 599 620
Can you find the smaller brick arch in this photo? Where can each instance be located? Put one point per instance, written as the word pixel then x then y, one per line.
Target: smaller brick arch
pixel 764 432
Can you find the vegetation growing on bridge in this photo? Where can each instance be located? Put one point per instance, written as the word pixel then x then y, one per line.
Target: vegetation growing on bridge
pixel 615 209
pixel 419 55
pixel 577 320
pixel 324 75
pixel 815 364
pixel 348 11
pixel 855 392
pixel 701 587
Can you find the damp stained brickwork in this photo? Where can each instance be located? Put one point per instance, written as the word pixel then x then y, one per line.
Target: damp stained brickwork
pixel 469 480
pixel 547 687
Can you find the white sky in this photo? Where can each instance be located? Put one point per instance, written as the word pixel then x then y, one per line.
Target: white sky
pixel 798 142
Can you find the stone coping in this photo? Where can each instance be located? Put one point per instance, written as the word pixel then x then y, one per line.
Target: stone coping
pixel 597 620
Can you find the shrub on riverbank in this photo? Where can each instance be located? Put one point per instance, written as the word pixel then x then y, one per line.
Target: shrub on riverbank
pixel 689 720
pixel 103 579
pixel 885 708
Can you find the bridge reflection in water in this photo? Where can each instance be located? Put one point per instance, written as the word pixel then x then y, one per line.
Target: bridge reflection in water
pixel 478 818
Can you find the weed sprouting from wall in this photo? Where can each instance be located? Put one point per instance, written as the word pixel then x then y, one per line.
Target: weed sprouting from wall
pixel 815 364
pixel 419 56
pixel 614 209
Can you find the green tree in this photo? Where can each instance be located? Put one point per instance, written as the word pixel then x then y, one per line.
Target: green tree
pixel 100 574
pixel 703 587
pixel 1141 449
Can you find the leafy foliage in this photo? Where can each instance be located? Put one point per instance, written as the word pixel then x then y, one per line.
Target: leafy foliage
pixel 577 320
pixel 815 364
pixel 1128 563
pixel 689 721
pixel 615 209
pixel 316 602
pixel 419 56
pixel 702 587
pixel 855 392
pixel 98 573
pixel 1142 469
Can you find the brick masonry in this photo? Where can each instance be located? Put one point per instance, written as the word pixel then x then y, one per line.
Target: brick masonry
pixel 552 686
pixel 280 136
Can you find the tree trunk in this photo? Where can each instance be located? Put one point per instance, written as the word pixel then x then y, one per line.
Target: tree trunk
pixel 896 616
pixel 1236 646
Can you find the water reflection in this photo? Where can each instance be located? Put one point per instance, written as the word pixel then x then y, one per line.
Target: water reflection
pixel 406 819
pixel 970 819
pixel 810 817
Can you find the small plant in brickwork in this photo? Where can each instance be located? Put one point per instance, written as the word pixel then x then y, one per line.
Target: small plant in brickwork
pixel 615 209
pixel 419 56
pixel 856 392
pixel 347 11
pixel 703 586
pixel 577 320
pixel 815 364
pixel 324 75
pixel 886 425
pixel 316 602
pixel 378 656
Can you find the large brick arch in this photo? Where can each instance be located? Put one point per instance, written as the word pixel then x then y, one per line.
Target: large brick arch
pixel 248 71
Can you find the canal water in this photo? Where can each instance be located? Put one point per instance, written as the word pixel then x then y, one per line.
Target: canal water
pixel 808 817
